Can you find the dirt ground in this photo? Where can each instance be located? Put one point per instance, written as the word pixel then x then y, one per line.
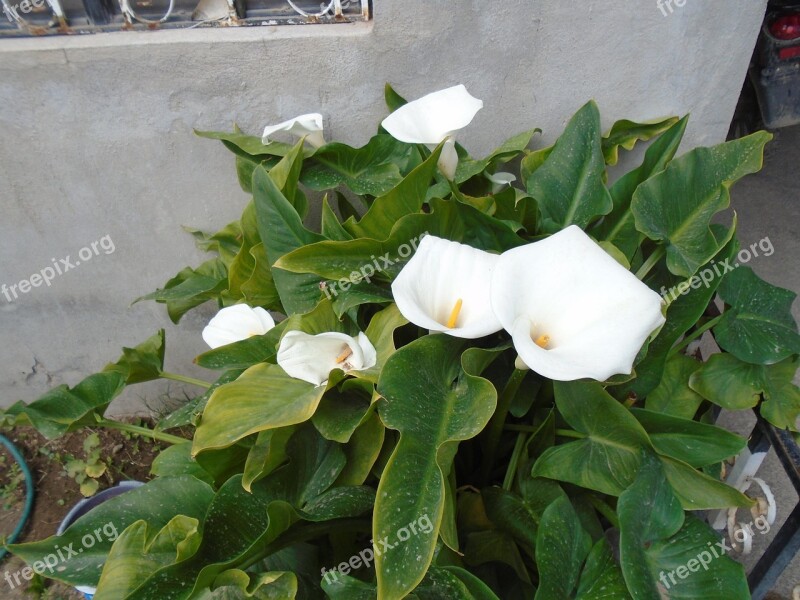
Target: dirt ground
pixel 125 456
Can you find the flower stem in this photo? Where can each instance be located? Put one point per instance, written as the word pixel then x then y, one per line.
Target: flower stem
pixel 456 192
pixel 185 379
pixel 651 262
pixel 508 480
pixel 495 427
pixel 138 430
pixel 694 335
pixel 605 510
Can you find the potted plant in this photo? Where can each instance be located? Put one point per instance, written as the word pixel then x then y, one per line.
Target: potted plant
pixel 461 382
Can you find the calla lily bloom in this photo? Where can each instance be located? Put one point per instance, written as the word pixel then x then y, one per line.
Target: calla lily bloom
pixel 309 125
pixel 572 311
pixel 236 323
pixel 434 118
pixel 312 357
pixel 500 180
pixel 445 287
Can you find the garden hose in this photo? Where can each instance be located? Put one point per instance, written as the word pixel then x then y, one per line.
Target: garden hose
pixel 28 493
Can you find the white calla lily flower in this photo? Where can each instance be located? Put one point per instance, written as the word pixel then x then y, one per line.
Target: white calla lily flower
pixel 312 357
pixel 500 180
pixel 434 118
pixel 309 125
pixel 445 287
pixel 236 323
pixel 572 311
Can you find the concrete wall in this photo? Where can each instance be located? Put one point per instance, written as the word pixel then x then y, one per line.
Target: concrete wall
pixel 97 135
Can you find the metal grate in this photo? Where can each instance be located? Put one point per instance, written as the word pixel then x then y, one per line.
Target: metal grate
pixel 23 18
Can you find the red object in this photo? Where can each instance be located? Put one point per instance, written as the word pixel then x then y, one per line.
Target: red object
pixel 788 53
pixel 786 27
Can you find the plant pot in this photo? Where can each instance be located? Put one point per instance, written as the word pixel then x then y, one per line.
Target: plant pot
pixel 86 505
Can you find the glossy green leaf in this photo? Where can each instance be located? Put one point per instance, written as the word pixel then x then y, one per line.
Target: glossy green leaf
pixel 661 550
pixel 145 362
pixel 608 457
pixel 697 444
pixel 138 551
pixel 698 491
pixel 282 231
pixel 569 185
pixel 448 219
pixel 676 206
pixel 404 199
pixel 266 455
pixel 177 460
pixel 601 578
pixel 263 397
pixel 625 134
pixel 370 170
pixel 157 503
pixel 561 548
pixel 508 150
pixel 362 451
pixel 330 226
pixel 452 583
pixel 759 327
pixel 618 227
pixel 728 382
pixel 244 353
pixel 674 396
pixel 65 409
pixel 275 585
pixel 456 406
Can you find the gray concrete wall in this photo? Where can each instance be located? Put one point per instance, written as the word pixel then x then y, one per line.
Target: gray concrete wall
pixel 97 135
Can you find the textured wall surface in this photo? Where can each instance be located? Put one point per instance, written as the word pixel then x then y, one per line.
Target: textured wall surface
pixel 97 136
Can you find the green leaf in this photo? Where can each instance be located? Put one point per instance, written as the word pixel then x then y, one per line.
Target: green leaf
pixel 362 451
pixel 191 288
pixel 246 145
pixel 157 503
pixel 608 458
pixel 782 398
pixel 698 491
pixel 189 413
pixel 532 161
pixel 266 455
pixel 177 460
pixel 380 332
pixel 343 587
pixel 244 353
pixel 331 227
pixel 448 219
pixel 62 409
pixel 138 551
pixel 404 199
pixel 263 397
pixel 393 99
pixel 697 444
pixel 282 231
pixel 626 133
pixel 561 547
pixel 145 362
pixel 370 170
pixel 759 327
pixel 510 149
pixel 618 227
pixel 728 382
pixel 452 583
pixel 423 377
pixel 676 206
pixel 274 585
pixel 569 185
pixel 683 313
pixel 601 578
pixel 674 396
pixel 659 546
